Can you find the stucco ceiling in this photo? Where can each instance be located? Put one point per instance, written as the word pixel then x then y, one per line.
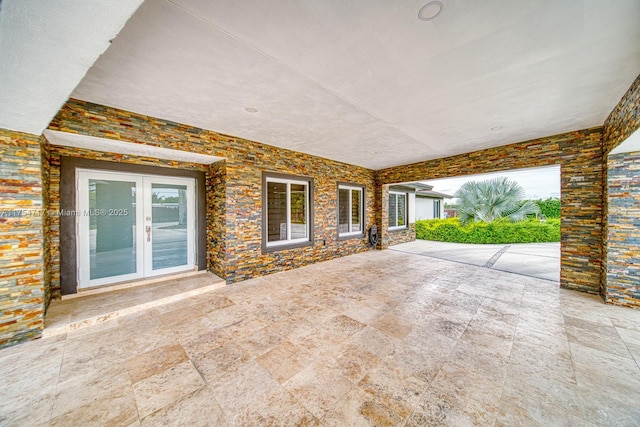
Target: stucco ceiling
pixel 46 47
pixel 367 82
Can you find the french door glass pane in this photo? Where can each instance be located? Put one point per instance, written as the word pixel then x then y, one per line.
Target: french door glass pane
pixel 343 210
pixel 112 231
pixel 169 225
pixel 298 211
pixel 356 222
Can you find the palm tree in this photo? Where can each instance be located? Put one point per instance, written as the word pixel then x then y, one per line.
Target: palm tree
pixel 493 199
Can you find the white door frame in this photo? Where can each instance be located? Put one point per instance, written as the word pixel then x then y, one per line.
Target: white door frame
pixel 143 219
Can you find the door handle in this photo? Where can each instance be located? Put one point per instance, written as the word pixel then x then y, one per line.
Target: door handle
pixel 148 229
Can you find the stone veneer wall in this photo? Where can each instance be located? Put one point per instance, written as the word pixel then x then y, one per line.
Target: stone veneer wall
pixel 47 228
pixel 395 237
pixel 579 154
pixel 21 238
pixel 216 218
pixel 55 153
pixel 623 232
pixel 240 250
pixel 621 275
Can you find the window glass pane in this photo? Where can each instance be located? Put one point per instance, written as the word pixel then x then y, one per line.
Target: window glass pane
pixel 276 211
pixel 343 210
pixel 436 208
pixel 393 210
pixel 356 210
pixel 402 210
pixel 298 211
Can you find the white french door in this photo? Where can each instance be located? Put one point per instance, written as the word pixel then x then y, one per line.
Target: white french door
pixel 131 226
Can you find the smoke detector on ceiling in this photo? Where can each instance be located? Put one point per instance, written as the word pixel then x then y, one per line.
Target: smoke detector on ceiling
pixel 430 11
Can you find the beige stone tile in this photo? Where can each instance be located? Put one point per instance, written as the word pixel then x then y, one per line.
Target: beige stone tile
pixel 285 360
pixel 440 408
pixel 478 361
pixel 145 341
pixel 318 387
pixel 105 400
pixel 413 358
pixel 27 399
pixel 358 408
pixel 246 387
pixel 220 363
pixel 604 408
pixel 464 301
pixel 542 321
pixel 244 327
pixel 393 326
pixel 528 360
pixel 320 343
pixel 596 335
pixel 277 409
pixel 196 346
pixel 155 361
pixel 93 358
pixel 623 317
pixel 495 344
pixel 342 326
pixel 216 302
pixel 156 392
pixel 530 353
pixel 228 315
pixel 198 408
pixel 616 376
pixel 363 313
pixel 293 328
pixel 629 336
pixel 516 409
pixel 374 341
pixel 396 389
pixel 354 362
pixel 485 324
pixel 552 343
pixel 260 341
pixel 448 321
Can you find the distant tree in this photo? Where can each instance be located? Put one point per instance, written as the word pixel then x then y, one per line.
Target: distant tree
pixel 493 199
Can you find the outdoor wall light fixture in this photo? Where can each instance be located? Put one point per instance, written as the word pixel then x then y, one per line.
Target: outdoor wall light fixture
pixel 250 110
pixel 430 11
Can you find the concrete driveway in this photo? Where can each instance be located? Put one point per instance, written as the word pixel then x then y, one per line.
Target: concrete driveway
pixel 541 260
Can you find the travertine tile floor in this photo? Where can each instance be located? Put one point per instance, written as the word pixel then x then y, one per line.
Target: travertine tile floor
pixel 379 338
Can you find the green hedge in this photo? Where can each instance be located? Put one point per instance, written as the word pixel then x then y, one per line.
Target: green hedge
pixel 549 207
pixel 502 231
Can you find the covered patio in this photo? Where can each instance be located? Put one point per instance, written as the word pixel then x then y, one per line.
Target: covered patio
pixel 378 338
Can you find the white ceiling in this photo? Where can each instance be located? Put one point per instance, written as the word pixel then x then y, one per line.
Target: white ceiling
pixel 365 81
pixel 46 47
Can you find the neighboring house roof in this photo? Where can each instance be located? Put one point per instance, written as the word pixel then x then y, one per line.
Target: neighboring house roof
pixel 433 194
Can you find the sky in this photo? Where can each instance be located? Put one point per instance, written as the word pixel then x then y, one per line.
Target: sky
pixel 538 183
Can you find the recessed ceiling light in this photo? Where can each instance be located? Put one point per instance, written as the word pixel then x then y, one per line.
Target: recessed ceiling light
pixel 250 110
pixel 431 10
pixel 496 128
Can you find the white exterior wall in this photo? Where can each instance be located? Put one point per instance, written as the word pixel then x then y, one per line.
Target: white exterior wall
pixel 411 205
pixel 424 208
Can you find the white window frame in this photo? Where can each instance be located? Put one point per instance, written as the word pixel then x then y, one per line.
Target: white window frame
pixel 289 240
pixel 437 212
pixel 351 188
pixel 406 210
